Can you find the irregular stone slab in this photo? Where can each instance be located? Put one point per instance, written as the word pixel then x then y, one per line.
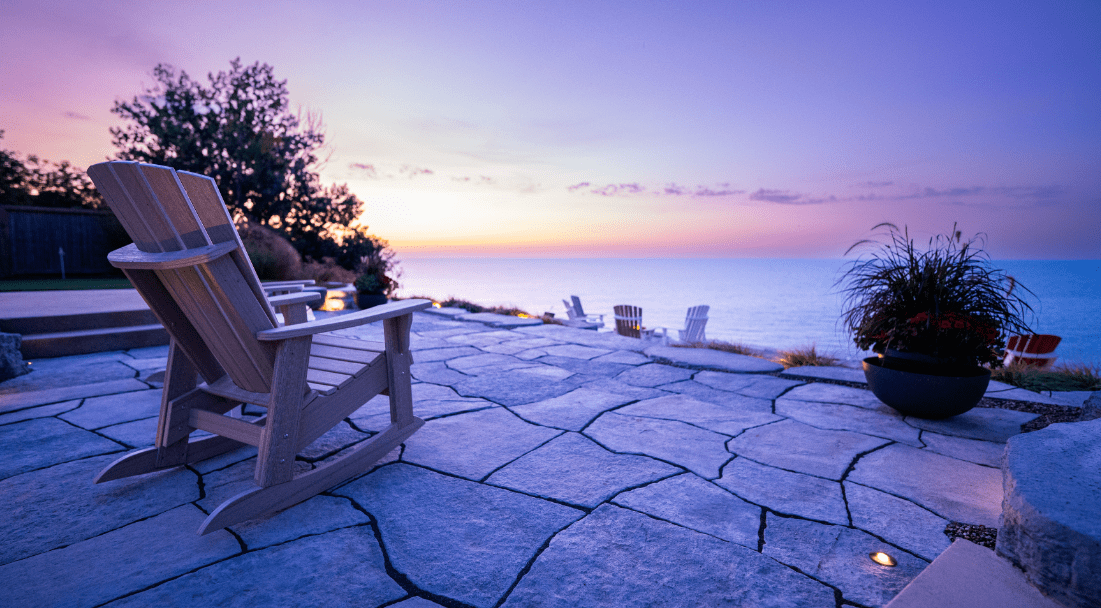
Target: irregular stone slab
pixel 701 392
pixel 512 388
pixel 1070 398
pixel 485 361
pixel 717 360
pixel 98 412
pixel 953 489
pixel 832 393
pixel 883 422
pixel 417 602
pixel 456 538
pixel 496 320
pixel 515 347
pixel 136 434
pixel 571 411
pixel 797 447
pixel 693 448
pixel 335 439
pixel 1020 394
pixel 147 364
pixel 474 444
pixel 11 402
pixel 604 339
pixel 42 442
pixel 425 391
pixel 618 557
pixel 969 575
pixel 972 450
pixel 443 354
pixel 576 351
pixel 610 385
pixel 839 556
pixel 42 411
pixel 784 491
pixel 436 372
pixel 765 387
pixel 117 563
pixel 625 357
pixel 374 416
pixel 446 311
pixel 694 503
pixel 728 419
pixel 1051 522
pixel 317 515
pixel 68 372
pixel 828 372
pixel 580 366
pixel 149 352
pixel 653 374
pixel 573 469
pixel 984 423
pixel 545 371
pixel 225 483
pixel 898 521
pixel 341 568
pixel 454 329
pixel 60 505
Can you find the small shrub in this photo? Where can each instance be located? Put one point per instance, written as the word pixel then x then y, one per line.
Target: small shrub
pixel 1065 377
pixel 500 310
pixel 801 357
pixel 326 271
pixel 273 256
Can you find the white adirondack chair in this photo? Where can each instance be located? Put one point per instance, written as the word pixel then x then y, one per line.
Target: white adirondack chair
pixel 694 324
pixel 576 317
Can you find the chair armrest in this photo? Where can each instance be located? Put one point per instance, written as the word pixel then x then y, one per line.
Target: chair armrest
pixel 132 257
pixel 304 297
pixel 378 313
pixel 271 287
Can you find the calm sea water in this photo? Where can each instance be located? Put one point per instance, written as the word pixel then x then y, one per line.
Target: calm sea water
pixel 777 303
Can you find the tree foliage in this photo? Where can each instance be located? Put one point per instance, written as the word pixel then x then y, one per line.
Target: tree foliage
pixel 41 183
pixel 238 129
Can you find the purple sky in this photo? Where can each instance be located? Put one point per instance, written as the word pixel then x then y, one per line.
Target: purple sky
pixel 726 129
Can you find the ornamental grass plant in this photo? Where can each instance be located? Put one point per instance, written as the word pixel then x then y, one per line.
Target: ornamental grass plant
pixel 945 301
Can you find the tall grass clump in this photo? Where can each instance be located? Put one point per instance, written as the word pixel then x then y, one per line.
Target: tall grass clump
pixel 805 357
pixel 1065 377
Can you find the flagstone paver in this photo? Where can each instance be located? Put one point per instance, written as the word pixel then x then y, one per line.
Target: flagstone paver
pixel 828 372
pixel 572 469
pixel 987 424
pixel 572 411
pixel 784 491
pixel 557 466
pixel 954 489
pixel 728 419
pixel 878 423
pixel 618 557
pixel 341 568
pixel 699 505
pixel 125 560
pixel 897 520
pixel 795 446
pixel 693 448
pixel 474 444
pixel 42 442
pixel 838 556
pixel 457 538
pixel 705 358
pixel 653 374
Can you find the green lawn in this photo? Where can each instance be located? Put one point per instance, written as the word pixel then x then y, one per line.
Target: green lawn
pixel 58 284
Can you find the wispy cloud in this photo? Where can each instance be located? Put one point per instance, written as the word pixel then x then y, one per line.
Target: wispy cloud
pixel 365 169
pixel 786 197
pixel 413 172
pixel 76 116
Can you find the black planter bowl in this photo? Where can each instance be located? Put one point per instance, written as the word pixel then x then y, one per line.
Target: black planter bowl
pixel 369 300
pixel 926 391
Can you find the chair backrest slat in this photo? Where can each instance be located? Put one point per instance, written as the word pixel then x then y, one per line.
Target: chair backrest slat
pixel 222 300
pixel 695 323
pixel 628 320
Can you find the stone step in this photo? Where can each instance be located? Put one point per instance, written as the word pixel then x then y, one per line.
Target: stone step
pixel 55 323
pixel 967 575
pixel 82 341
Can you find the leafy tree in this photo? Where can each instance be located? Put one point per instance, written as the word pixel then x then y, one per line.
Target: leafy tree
pixel 238 130
pixel 41 183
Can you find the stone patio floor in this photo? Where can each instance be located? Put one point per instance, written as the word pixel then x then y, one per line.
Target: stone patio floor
pixel 557 467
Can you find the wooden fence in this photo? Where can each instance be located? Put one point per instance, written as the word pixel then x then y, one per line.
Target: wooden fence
pixel 31 237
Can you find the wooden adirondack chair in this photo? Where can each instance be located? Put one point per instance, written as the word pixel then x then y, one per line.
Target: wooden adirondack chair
pixel 628 322
pixel 190 266
pixel 694 324
pixel 1036 350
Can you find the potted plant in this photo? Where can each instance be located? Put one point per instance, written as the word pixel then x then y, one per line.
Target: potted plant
pixel 935 317
pixel 373 285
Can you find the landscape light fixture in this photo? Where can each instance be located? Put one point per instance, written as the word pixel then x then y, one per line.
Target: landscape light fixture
pixel 883 559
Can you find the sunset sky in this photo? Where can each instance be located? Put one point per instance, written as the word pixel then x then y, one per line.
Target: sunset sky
pixel 639 129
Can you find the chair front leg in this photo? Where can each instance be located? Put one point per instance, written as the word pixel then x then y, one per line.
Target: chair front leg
pixel 275 459
pixel 180 377
pixel 398 359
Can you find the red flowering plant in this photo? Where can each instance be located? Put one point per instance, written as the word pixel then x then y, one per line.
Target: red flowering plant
pixel 945 302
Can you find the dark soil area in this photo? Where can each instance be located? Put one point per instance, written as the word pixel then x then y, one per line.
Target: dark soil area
pixel 1049 414
pixel 980 535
